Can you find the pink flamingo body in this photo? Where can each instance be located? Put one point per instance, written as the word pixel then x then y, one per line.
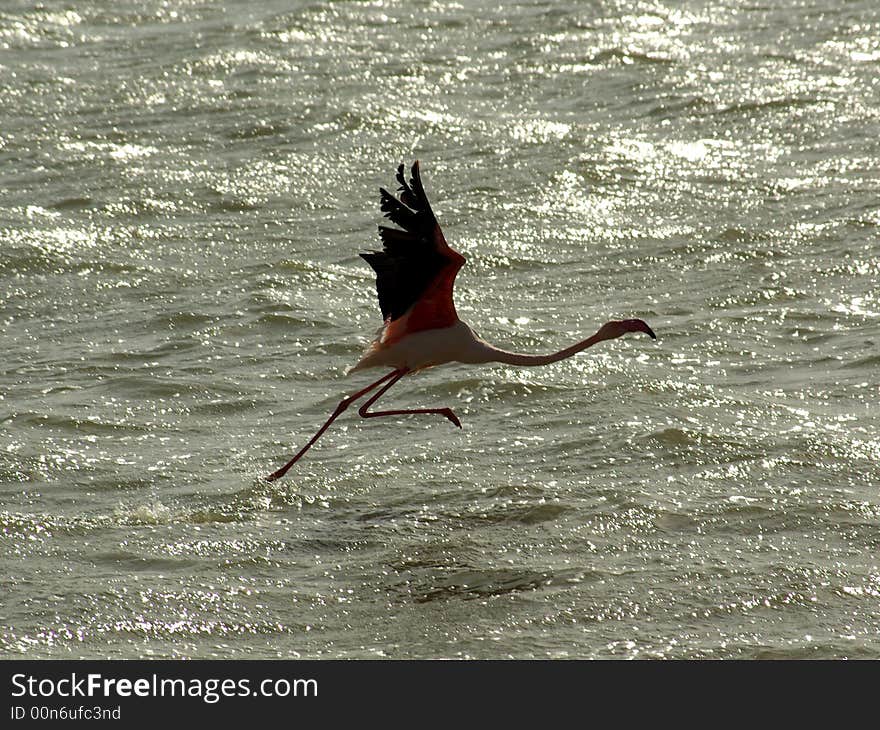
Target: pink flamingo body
pixel 415 274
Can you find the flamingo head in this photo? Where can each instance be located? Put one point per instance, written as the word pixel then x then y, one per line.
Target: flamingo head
pixel 618 327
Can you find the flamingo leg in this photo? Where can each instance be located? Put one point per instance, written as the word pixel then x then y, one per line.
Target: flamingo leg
pixel 394 376
pixel 364 411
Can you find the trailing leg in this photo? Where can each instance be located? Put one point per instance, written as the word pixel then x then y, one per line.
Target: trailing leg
pixel 394 376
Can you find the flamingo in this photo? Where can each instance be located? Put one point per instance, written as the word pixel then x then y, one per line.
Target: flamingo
pixel 415 273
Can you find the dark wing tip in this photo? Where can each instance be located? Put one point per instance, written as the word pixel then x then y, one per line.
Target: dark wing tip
pixel 415 174
pixel 413 255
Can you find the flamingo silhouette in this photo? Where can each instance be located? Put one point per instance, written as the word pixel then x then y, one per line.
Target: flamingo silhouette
pixel 415 274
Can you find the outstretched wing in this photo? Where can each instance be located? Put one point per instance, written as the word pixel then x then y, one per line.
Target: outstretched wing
pixel 415 271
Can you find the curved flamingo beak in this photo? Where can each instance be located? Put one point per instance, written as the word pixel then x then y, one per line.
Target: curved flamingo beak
pixel 639 325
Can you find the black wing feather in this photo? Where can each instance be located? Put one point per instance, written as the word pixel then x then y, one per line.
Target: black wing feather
pixel 410 259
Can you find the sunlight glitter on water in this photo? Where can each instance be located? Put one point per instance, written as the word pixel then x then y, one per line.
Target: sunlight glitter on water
pixel 183 295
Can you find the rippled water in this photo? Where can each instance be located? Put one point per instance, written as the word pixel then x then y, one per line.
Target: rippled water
pixel 184 189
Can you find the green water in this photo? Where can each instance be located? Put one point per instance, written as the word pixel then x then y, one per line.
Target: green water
pixel 184 191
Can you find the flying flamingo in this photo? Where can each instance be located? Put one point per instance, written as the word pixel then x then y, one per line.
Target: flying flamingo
pixel 415 273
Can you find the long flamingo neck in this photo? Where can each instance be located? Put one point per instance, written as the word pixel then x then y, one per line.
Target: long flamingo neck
pixel 523 358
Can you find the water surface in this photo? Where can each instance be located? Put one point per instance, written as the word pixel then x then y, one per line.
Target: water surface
pixel 184 189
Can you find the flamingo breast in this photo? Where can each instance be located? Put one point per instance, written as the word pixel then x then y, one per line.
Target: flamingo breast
pixel 424 348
